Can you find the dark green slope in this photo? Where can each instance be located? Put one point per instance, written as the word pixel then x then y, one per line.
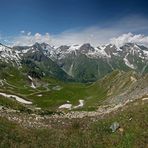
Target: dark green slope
pixel 38 64
pixel 85 69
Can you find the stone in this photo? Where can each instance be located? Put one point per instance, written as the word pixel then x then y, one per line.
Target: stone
pixel 114 126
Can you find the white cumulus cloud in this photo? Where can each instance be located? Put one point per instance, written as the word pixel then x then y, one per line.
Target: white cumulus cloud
pixel 130 38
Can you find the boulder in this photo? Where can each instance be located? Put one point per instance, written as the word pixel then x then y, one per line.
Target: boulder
pixel 114 126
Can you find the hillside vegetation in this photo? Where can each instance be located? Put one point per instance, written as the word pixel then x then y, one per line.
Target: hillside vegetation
pixel 133 132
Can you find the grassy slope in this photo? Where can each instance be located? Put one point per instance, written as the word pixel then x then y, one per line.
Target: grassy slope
pixel 93 94
pixel 9 103
pixel 98 134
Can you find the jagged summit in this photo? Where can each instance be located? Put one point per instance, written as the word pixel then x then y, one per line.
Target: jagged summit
pixel 85 61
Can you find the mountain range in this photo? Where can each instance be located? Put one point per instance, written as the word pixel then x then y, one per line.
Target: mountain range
pixel 82 63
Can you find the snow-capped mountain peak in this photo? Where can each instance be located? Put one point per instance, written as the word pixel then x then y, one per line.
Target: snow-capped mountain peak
pixel 9 55
pixel 130 55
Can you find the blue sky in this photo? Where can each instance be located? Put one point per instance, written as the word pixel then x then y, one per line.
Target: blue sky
pixel 60 17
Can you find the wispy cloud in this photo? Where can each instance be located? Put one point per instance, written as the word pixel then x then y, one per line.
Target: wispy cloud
pixel 133 23
pixel 22 31
pixel 115 33
pixel 93 35
pixel 28 39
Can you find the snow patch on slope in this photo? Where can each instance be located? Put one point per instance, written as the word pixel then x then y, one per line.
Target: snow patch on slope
pixel 69 106
pixel 66 106
pixel 21 100
pixel 128 63
pixel 81 104
pixel 32 85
